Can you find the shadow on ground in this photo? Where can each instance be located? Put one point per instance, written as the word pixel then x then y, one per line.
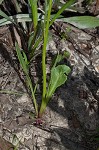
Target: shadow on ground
pixel 79 96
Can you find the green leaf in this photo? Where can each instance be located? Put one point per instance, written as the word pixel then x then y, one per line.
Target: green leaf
pixel 66 54
pixel 97 139
pixel 22 59
pixel 35 39
pixel 98 129
pixel 24 64
pixel 16 18
pixel 45 34
pixel 18 10
pixel 33 5
pixel 11 92
pixel 30 41
pixel 82 22
pixel 6 17
pixel 25 58
pixel 65 6
pixel 58 77
pixel 60 57
pixel 57 59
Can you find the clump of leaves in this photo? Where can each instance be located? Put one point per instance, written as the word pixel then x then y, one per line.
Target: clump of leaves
pixel 58 74
pixel 41 23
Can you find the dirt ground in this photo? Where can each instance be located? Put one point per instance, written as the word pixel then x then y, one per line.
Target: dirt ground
pixel 71 120
pixel 72 117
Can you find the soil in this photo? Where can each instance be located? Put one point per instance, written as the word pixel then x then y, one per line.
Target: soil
pixel 71 120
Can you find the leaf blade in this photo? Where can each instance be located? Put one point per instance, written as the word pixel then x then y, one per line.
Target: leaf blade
pixel 58 77
pixel 33 5
pixel 6 17
pixel 23 63
pixel 82 22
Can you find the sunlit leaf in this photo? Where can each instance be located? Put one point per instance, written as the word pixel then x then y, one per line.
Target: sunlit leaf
pixel 66 54
pixel 82 22
pixel 34 11
pixel 15 18
pixel 6 17
pixel 58 77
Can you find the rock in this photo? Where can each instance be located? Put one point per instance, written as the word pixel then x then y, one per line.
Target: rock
pixel 23 99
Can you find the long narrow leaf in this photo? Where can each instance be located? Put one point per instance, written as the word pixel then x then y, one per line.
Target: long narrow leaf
pixel 82 22
pixel 23 63
pixel 18 10
pixel 16 5
pixel 35 46
pixel 11 92
pixel 46 30
pixel 15 18
pixel 6 17
pixel 21 59
pixel 66 5
pixel 33 5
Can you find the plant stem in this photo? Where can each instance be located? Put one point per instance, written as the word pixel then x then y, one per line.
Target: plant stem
pixel 47 20
pixel 44 49
pixel 43 106
pixel 33 95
